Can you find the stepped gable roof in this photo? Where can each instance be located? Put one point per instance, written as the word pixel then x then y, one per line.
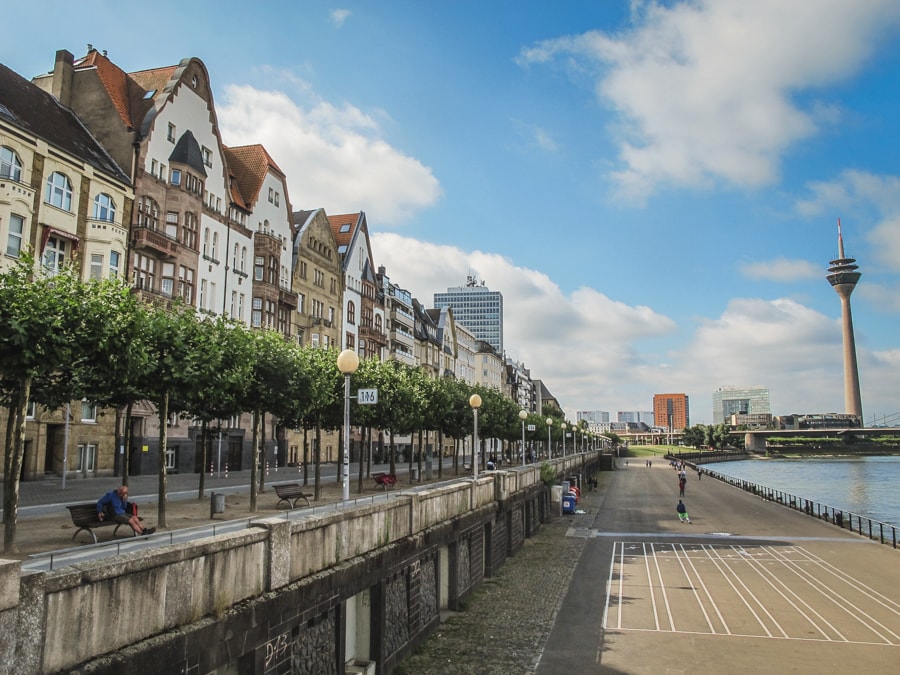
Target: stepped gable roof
pixel 187 151
pixel 29 107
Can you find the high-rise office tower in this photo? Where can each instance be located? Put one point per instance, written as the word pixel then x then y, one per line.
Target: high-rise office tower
pixel 477 308
pixel 842 276
pixel 728 401
pixel 671 411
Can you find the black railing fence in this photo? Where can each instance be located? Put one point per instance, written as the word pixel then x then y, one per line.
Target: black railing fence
pixel 866 527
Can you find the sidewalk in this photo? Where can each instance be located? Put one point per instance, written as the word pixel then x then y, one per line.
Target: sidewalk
pixel 44 524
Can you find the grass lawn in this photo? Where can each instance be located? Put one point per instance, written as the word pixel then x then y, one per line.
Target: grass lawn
pixel 652 450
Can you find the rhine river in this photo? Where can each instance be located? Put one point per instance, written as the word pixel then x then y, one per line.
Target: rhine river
pixel 865 486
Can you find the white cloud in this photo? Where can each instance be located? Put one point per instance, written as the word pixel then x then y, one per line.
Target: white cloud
pixel 858 192
pixel 591 350
pixel 334 157
pixel 704 91
pixel 535 136
pixel 339 16
pixel 780 269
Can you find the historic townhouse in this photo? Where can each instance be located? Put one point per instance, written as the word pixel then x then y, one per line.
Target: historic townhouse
pixel 428 343
pixel 263 187
pixel 363 300
pixel 399 320
pixel 318 281
pixel 65 200
pixel 211 225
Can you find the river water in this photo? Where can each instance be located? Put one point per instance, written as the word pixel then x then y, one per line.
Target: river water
pixel 865 486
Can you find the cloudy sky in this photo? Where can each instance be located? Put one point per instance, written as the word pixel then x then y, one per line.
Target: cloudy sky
pixel 653 186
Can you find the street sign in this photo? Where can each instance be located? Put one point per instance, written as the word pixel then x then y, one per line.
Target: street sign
pixel 530 427
pixel 367 396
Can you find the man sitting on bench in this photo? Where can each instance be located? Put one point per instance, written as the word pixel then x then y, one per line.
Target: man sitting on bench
pixel 114 505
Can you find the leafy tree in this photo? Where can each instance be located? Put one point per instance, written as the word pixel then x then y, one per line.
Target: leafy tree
pixel 325 400
pixel 50 328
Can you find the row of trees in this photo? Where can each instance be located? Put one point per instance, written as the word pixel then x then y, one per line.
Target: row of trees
pixel 62 340
pixel 714 437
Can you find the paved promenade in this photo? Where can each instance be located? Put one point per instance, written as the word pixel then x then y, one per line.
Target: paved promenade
pixel 748 586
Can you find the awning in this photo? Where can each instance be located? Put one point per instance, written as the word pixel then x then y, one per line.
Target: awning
pixel 56 232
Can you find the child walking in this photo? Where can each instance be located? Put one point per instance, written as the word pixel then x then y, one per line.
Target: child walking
pixel 682 512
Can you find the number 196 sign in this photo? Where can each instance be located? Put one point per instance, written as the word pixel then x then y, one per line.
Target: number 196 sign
pixel 367 396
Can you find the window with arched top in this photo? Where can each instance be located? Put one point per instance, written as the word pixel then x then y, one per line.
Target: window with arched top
pixel 59 191
pixel 351 313
pixel 10 164
pixel 206 241
pixel 104 208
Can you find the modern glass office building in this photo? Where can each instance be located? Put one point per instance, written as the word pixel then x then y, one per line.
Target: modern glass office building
pixel 477 308
pixel 728 401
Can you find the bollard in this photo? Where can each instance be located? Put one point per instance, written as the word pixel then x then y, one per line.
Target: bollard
pixel 216 503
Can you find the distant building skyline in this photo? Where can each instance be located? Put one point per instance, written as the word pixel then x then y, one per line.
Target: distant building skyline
pixel 729 400
pixel 477 308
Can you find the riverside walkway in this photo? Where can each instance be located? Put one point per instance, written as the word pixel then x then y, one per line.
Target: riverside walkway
pixel 624 587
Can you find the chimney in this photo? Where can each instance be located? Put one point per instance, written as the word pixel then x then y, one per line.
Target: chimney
pixel 63 72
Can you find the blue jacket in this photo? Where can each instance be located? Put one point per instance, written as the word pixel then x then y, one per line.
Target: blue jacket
pixel 115 503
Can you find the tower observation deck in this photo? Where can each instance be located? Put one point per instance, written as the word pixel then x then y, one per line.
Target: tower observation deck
pixel 843 277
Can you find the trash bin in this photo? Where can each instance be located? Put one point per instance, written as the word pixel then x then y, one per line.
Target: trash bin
pixel 568 503
pixel 414 474
pixel 216 503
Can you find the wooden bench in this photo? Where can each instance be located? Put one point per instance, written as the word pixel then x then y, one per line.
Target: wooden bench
pixel 84 517
pixel 385 480
pixel 291 493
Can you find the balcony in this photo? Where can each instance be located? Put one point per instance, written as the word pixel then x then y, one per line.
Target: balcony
pixel 287 298
pixel 403 338
pixel 404 357
pixel 11 190
pixel 369 333
pixel 156 241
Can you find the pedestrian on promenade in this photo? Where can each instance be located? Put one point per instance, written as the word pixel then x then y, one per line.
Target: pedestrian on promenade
pixel 682 483
pixel 115 506
pixel 681 509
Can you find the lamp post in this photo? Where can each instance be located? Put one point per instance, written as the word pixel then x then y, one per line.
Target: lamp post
pixel 564 439
pixel 475 402
pixel 549 447
pixel 347 363
pixel 522 416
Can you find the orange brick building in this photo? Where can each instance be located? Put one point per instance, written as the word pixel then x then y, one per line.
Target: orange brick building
pixel 671 411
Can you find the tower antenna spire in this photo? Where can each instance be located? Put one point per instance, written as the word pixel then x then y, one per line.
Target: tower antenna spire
pixel 840 241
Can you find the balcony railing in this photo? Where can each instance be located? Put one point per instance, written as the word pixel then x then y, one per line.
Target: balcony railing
pixel 144 237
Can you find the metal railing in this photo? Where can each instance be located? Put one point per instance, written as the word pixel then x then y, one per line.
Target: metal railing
pixel 884 533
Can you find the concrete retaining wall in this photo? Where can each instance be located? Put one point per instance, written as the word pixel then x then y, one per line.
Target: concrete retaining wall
pixel 281 580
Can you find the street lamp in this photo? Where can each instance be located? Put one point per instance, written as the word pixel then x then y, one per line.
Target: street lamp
pixel 475 402
pixel 549 447
pixel 564 439
pixel 347 363
pixel 522 416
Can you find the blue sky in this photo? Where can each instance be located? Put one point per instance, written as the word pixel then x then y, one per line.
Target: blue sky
pixel 654 187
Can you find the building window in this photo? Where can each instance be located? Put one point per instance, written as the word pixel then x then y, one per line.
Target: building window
pixel 87 453
pixel 277 199
pixel 186 284
pixel 234 259
pixel 10 165
pixel 301 300
pixel 88 412
pixel 59 191
pixel 96 266
pixel 240 314
pixel 175 177
pixel 30 410
pixel 256 314
pixel 207 156
pixel 314 339
pixel 16 232
pixel 271 196
pixel 171 457
pixel 233 304
pixel 148 213
pixel 104 208
pixel 206 242
pixel 55 254
pixel 203 294
pixel 170 135
pixel 258 268
pixel 189 231
pixel 351 313
pixel 172 225
pixel 144 271
pixel 167 286
pixel 215 246
pixel 114 263
pixel 351 340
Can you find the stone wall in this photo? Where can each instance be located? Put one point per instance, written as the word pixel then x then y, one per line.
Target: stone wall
pixel 363 584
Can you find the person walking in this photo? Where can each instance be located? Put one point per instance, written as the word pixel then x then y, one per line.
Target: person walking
pixel 681 510
pixel 682 483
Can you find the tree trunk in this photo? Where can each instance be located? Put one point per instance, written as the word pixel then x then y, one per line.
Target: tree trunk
pixel 163 442
pixel 393 455
pixel 261 440
pixel 13 459
pixel 254 461
pixel 317 459
pixel 204 455
pixel 305 456
pixel 126 442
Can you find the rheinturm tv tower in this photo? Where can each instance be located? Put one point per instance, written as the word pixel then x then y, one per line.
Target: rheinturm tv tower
pixel 842 276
